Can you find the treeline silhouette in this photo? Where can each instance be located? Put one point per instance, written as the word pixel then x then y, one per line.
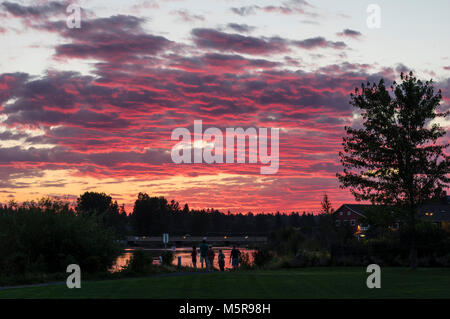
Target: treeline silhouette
pixel 153 216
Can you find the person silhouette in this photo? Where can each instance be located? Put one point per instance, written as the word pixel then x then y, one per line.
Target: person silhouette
pixel 221 258
pixel 234 257
pixel 194 257
pixel 211 256
pixel 203 253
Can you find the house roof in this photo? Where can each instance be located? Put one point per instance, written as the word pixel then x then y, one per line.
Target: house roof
pixel 356 208
pixel 433 211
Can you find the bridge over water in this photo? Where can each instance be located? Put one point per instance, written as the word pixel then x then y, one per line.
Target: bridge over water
pixel 178 241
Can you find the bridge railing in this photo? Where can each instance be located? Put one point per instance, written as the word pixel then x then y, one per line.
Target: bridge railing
pixel 199 239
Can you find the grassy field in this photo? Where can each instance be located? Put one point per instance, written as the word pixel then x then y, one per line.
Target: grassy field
pixel 283 284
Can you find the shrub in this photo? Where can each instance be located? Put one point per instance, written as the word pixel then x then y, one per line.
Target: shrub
pixel 140 262
pixel 392 249
pixel 262 257
pixel 444 260
pixel 286 241
pixel 244 261
pixel 167 257
pixel 306 258
pixel 280 262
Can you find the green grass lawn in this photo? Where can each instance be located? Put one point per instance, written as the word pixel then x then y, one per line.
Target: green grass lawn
pixel 283 284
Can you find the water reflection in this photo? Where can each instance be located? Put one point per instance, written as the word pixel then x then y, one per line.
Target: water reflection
pixel 121 261
pixel 184 253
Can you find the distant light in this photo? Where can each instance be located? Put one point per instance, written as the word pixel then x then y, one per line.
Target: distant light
pixel 246 237
pixel 225 237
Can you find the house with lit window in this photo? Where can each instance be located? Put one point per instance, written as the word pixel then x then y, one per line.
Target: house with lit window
pixel 352 215
pixel 437 212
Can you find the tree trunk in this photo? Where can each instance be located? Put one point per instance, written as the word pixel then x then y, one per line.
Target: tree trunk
pixel 413 252
pixel 413 247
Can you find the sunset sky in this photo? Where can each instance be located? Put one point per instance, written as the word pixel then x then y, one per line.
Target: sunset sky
pixel 92 109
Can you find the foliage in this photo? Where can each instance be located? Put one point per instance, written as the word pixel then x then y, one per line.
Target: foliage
pixel 108 212
pixel 46 236
pixel 326 205
pixel 262 257
pixel 244 261
pixel 390 250
pixel 286 241
pixel 167 257
pixel 380 218
pixel 311 258
pixel 319 233
pixel 140 263
pixel 281 262
pixel 150 215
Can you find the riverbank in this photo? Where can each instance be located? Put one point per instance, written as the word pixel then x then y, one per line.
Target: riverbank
pixel 330 282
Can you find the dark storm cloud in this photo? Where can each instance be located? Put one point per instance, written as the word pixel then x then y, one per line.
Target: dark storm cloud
pixel 54 99
pixel 319 42
pixel 244 11
pixel 350 33
pixel 9 175
pixel 210 38
pixel 402 68
pixel 243 28
pixel 34 10
pixel 288 7
pixel 62 155
pixel 113 38
pixel 222 62
pixel 10 84
pixel 187 16
pixel 10 136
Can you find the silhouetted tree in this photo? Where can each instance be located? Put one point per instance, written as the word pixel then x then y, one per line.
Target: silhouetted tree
pixel 150 215
pixel 294 219
pixel 94 203
pixel 102 206
pixel 326 205
pixel 278 221
pixel 394 158
pixel 261 224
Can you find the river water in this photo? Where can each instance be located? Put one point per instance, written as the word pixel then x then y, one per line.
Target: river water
pixel 184 253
